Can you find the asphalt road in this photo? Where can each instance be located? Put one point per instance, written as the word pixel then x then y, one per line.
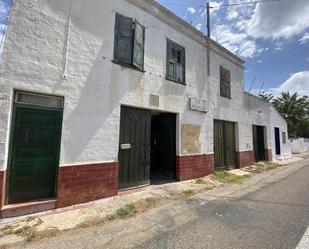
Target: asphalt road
pixel 275 216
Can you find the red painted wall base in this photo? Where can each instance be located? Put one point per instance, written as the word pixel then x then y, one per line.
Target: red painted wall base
pixel 191 167
pixel 269 154
pixel 244 158
pixel 80 184
pixel 76 184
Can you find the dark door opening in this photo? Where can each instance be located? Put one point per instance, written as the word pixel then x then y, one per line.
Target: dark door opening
pixel 224 145
pixel 277 141
pixel 258 143
pixel 147 150
pixel 34 150
pixel 163 147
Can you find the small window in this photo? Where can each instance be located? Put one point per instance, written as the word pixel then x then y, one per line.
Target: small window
pixel 175 62
pixel 38 99
pixel 225 83
pixel 284 137
pixel 129 42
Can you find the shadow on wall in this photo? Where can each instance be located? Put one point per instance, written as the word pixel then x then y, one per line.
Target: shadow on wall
pixel 92 117
pixel 88 15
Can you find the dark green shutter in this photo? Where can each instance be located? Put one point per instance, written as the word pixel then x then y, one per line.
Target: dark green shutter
pixel 169 66
pixel 123 39
pixel 138 46
pixel 183 53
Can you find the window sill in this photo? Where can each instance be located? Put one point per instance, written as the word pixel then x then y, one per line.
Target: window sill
pixel 179 83
pixel 128 66
pixel 226 97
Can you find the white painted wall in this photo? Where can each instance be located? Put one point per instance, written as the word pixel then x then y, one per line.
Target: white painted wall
pixel 299 145
pixel 56 48
pixel 276 120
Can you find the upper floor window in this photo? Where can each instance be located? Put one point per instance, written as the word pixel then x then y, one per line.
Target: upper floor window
pixel 129 42
pixel 225 83
pixel 175 62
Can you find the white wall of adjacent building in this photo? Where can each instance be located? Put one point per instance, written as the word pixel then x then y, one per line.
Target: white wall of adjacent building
pixel 299 145
pixel 65 48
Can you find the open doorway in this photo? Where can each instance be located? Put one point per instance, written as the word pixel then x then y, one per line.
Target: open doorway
pixel 277 141
pixel 258 143
pixel 163 147
pixel 147 147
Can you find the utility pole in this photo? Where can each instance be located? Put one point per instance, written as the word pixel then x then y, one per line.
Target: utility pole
pixel 208 38
pixel 208 20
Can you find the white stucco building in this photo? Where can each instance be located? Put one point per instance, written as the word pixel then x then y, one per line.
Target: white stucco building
pixel 97 96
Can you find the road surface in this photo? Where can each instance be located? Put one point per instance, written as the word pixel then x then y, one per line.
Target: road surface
pixel 272 214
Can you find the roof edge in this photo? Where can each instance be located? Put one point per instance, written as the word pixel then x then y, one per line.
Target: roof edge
pixel 163 14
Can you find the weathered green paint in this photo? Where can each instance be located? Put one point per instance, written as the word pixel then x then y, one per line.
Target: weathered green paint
pixel 224 145
pixel 34 153
pixel 135 128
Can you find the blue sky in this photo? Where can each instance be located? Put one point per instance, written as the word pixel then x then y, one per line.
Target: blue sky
pixel 4 12
pixel 273 38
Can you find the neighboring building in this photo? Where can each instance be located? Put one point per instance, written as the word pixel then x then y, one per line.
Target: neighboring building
pixel 98 96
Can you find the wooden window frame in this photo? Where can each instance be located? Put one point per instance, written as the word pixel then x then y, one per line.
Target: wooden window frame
pixel 225 83
pixel 178 49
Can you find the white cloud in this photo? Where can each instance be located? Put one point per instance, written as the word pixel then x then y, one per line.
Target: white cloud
pixel 231 15
pixel 304 39
pixel 215 6
pixel 279 20
pixel 237 42
pixel 259 61
pixel 198 26
pixel 298 82
pixel 191 10
pixel 247 24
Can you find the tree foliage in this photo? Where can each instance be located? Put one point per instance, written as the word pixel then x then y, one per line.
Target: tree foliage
pixel 295 109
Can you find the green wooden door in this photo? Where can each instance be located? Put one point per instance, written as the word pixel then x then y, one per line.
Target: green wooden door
pixel 224 145
pixel 34 153
pixel 134 148
pixel 230 146
pixel 219 145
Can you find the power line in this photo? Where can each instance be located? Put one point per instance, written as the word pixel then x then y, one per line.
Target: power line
pixel 223 5
pixel 245 3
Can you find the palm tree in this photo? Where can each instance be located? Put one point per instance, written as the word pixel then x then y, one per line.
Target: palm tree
pixel 266 96
pixel 295 109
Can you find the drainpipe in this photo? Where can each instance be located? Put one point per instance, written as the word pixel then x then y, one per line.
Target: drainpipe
pixel 208 39
pixel 66 42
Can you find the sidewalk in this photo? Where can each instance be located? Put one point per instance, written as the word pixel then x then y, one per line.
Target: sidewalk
pixel 131 203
